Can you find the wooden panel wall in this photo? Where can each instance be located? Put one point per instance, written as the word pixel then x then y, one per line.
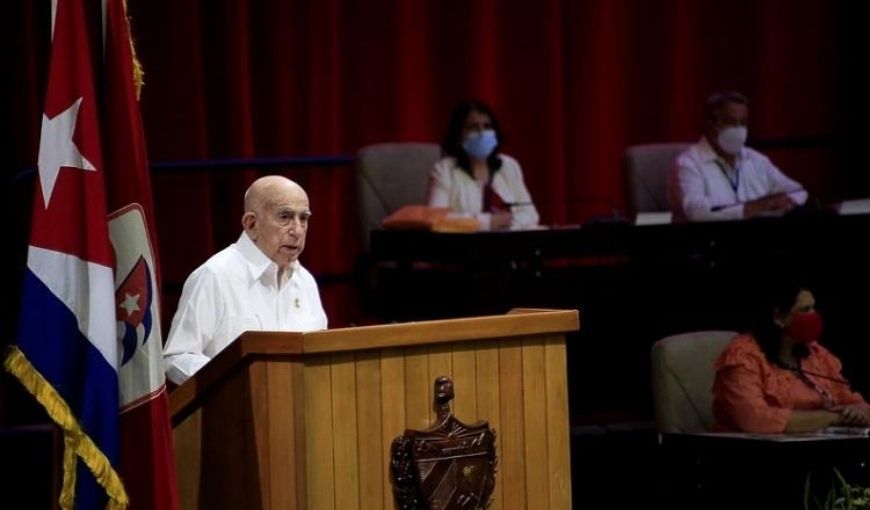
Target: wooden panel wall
pixel 355 404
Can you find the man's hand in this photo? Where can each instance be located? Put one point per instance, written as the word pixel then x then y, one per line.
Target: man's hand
pixel 779 202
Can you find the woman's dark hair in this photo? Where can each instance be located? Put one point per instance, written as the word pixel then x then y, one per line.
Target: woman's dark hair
pixel 452 143
pixel 779 296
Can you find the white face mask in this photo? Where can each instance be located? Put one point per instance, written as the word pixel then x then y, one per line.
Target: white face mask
pixel 732 138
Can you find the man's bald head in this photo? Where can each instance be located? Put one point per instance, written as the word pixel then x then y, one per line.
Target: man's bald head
pixel 265 188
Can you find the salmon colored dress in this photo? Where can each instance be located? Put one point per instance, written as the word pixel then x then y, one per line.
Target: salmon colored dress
pixel 750 394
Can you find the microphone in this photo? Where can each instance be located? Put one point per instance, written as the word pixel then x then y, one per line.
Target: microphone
pixel 801 371
pixel 834 379
pixel 722 207
pixel 735 204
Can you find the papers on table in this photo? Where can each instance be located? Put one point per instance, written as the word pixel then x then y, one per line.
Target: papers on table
pixel 859 206
pixel 653 218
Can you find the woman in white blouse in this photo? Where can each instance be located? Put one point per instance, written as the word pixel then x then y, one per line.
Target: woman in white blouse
pixel 474 179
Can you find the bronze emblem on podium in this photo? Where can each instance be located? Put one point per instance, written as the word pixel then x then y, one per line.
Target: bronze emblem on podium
pixel 448 466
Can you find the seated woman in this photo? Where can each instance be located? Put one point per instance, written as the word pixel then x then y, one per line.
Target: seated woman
pixel 474 179
pixel 779 378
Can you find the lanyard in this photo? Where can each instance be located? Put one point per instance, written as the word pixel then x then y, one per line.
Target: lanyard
pixel 735 183
pixel 826 396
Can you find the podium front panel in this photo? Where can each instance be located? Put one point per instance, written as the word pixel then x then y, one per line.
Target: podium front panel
pixel 355 405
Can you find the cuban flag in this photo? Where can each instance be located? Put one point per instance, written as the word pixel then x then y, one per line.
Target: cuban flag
pixel 88 345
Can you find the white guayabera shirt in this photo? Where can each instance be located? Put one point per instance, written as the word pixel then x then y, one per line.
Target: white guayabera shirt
pixel 234 291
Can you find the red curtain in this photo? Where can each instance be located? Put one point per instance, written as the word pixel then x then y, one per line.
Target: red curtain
pixel 574 83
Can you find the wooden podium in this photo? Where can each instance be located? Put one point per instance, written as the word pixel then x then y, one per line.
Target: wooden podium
pixel 305 420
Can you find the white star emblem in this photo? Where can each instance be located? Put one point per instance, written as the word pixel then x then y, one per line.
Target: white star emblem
pixel 130 304
pixel 57 150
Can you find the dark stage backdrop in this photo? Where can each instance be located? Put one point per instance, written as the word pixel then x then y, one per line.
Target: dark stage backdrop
pixel 574 83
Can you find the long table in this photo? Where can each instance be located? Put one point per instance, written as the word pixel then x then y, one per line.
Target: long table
pixel 726 471
pixel 633 285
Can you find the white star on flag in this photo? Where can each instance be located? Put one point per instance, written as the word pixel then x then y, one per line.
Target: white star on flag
pixel 130 304
pixel 57 149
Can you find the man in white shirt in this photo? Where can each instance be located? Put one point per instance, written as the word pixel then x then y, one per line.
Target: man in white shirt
pixel 719 178
pixel 257 283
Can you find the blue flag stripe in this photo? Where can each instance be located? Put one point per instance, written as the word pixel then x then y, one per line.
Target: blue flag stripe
pixel 50 338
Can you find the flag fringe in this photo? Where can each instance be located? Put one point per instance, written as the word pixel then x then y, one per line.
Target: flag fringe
pixel 138 71
pixel 68 488
pixel 76 442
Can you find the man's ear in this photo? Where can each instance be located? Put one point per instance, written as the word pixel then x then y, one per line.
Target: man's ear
pixel 249 223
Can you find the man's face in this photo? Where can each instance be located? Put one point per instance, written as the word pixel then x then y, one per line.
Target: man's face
pixel 281 223
pixel 732 114
pixel 729 115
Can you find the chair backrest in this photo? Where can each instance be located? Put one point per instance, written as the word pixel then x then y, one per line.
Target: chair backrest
pixel 646 176
pixel 682 379
pixel 389 176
